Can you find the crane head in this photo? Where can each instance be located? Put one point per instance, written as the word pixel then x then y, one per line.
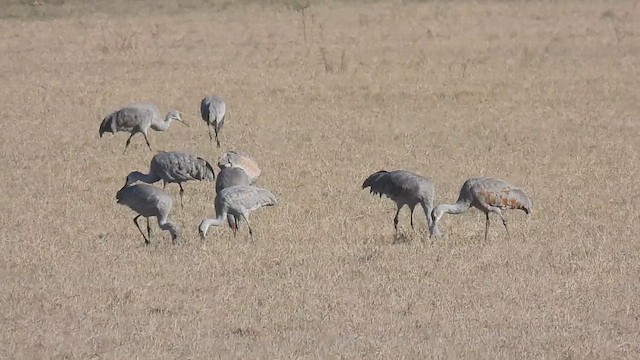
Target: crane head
pixel 202 230
pixel 175 115
pixel 132 178
pixel 436 214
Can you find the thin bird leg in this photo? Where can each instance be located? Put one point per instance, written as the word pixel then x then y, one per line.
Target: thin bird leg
pixel 412 219
pixel 210 135
pixel 181 192
pixel 504 221
pixel 486 229
pixel 135 221
pixel 217 141
pixel 233 224
pixel 148 229
pixel 395 219
pixel 147 140
pixel 248 225
pixel 127 144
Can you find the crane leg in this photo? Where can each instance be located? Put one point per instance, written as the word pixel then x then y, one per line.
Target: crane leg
pixel 248 225
pixel 127 144
pixel 395 219
pixel 486 229
pixel 181 192
pixel 210 135
pixel 504 222
pixel 412 219
pixel 217 141
pixel 148 230
pixel 233 224
pixel 135 221
pixel 147 140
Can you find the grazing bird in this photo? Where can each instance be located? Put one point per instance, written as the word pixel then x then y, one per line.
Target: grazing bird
pixel 227 177
pixel 213 111
pixel 242 161
pixel 404 188
pixel 149 201
pixel 174 167
pixel 138 118
pixel 488 195
pixel 238 201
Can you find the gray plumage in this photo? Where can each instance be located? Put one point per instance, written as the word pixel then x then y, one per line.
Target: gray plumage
pixel 138 118
pixel 227 177
pixel 404 188
pixel 238 201
pixel 149 201
pixel 488 195
pixel 213 111
pixel 174 167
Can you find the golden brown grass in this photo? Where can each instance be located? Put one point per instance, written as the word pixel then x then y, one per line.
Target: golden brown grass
pixel 543 94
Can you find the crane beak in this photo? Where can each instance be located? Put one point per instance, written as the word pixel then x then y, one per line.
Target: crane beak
pixel 184 123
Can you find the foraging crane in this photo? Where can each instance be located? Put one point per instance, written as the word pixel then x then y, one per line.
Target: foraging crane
pixel 404 188
pixel 174 167
pixel 488 195
pixel 213 111
pixel 149 201
pixel 238 201
pixel 138 118
pixel 242 161
pixel 227 177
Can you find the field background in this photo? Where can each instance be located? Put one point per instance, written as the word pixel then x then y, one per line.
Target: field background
pixel 544 94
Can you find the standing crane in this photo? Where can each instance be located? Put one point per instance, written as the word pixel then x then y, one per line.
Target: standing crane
pixel 404 188
pixel 174 167
pixel 240 160
pixel 488 195
pixel 238 201
pixel 227 177
pixel 138 118
pixel 149 201
pixel 213 111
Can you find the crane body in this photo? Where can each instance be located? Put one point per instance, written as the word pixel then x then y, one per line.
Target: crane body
pixel 487 195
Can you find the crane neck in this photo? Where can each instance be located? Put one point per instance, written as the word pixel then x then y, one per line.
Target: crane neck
pixel 458 208
pixel 162 124
pixel 145 178
pixel 208 222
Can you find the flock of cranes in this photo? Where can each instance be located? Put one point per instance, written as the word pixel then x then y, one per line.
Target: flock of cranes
pixel 236 193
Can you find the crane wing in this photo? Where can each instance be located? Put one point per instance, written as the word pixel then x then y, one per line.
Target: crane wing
pixel 499 193
pixel 247 198
pixel 204 108
pixel 394 184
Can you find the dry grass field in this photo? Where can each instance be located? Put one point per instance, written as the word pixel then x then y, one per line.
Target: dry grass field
pixel 545 94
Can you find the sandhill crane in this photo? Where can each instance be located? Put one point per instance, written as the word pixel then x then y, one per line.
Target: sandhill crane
pixel 404 188
pixel 488 195
pixel 138 118
pixel 242 161
pixel 227 177
pixel 149 201
pixel 174 167
pixel 238 201
pixel 213 111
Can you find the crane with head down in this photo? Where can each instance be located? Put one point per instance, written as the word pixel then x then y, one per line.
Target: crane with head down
pixel 404 188
pixel 489 195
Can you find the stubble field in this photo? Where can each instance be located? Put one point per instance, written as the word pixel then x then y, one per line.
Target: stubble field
pixel 543 94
